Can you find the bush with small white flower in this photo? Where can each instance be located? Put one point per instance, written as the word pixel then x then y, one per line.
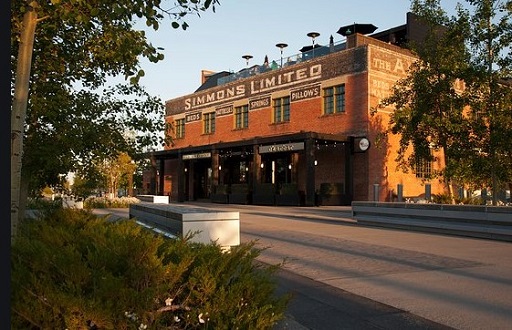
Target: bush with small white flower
pixel 73 270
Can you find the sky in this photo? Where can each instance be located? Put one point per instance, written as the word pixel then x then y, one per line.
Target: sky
pixel 217 40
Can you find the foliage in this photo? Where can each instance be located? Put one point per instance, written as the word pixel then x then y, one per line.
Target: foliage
pixel 83 188
pixel 84 128
pixel 115 170
pixel 47 191
pixel 74 270
pixel 489 93
pixel 103 202
pixel 441 199
pixel 428 109
pixel 471 201
pixel 445 103
pixel 59 47
pixel 44 204
pixel 89 40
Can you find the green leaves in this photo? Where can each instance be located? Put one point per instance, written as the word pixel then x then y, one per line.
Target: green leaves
pixel 70 267
pixel 81 43
pixel 466 121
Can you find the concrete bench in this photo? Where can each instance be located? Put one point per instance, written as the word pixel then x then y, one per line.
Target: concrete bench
pixel 492 222
pixel 153 198
pixel 206 225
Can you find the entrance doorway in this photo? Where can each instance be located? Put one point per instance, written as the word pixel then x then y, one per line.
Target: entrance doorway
pixel 202 179
pixel 277 169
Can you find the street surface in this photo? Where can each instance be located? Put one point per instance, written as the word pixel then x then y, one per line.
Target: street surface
pixel 458 282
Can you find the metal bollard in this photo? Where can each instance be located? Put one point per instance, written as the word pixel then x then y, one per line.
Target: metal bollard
pixel 376 192
pixel 461 192
pixel 400 192
pixel 428 192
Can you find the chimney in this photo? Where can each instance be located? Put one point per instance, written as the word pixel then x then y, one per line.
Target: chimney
pixel 205 74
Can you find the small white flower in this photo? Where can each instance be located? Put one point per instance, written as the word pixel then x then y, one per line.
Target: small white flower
pixel 168 302
pixel 176 319
pixel 201 318
pixel 131 316
pixel 143 326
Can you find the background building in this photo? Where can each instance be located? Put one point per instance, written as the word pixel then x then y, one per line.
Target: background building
pixel 297 132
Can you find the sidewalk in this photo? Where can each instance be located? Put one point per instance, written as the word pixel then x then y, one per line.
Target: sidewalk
pixel 344 276
pixel 316 305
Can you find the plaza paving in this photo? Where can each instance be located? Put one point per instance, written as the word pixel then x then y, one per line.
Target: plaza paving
pixel 346 276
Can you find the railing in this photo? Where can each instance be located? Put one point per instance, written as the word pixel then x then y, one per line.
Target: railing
pixel 282 62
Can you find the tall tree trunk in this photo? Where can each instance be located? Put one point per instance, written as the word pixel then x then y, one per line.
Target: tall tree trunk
pixel 19 111
pixel 449 185
pixel 447 180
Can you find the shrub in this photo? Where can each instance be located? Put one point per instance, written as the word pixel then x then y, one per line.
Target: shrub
pixel 104 202
pixel 471 201
pixel 73 270
pixel 43 203
pixel 441 199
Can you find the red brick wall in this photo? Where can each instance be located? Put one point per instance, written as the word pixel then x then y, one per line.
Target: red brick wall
pixel 386 66
pixel 368 72
pixel 305 115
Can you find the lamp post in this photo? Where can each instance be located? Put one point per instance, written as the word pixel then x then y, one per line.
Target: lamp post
pixel 281 45
pixel 313 35
pixel 247 58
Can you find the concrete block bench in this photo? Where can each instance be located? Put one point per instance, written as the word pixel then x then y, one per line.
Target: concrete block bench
pixel 207 225
pixel 491 222
pixel 153 198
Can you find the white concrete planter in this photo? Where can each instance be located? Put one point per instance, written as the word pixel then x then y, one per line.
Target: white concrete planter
pixel 207 225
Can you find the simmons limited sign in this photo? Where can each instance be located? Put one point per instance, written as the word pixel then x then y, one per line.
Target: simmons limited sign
pixel 256 86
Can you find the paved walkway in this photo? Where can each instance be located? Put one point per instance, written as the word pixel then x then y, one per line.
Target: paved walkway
pixel 344 276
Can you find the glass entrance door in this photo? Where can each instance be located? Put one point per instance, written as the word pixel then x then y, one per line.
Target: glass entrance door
pixel 202 179
pixel 276 169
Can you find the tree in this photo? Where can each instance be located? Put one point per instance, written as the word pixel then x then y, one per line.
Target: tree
pixel 76 42
pixel 82 187
pixel 115 169
pixel 72 131
pixel 429 109
pixel 454 99
pixel 489 92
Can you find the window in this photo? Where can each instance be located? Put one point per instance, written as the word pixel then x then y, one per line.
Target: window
pixel 209 123
pixel 282 110
pixel 180 128
pixel 334 99
pixel 423 167
pixel 242 117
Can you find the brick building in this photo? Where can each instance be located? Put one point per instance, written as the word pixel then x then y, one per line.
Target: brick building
pixel 297 133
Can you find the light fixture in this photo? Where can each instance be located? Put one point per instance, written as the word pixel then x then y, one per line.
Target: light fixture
pixel 220 167
pixel 290 166
pixel 186 169
pixel 247 58
pixel 262 165
pixel 313 35
pixel 281 45
pixel 316 162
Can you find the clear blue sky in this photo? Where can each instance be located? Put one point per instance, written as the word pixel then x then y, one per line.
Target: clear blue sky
pixel 217 41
